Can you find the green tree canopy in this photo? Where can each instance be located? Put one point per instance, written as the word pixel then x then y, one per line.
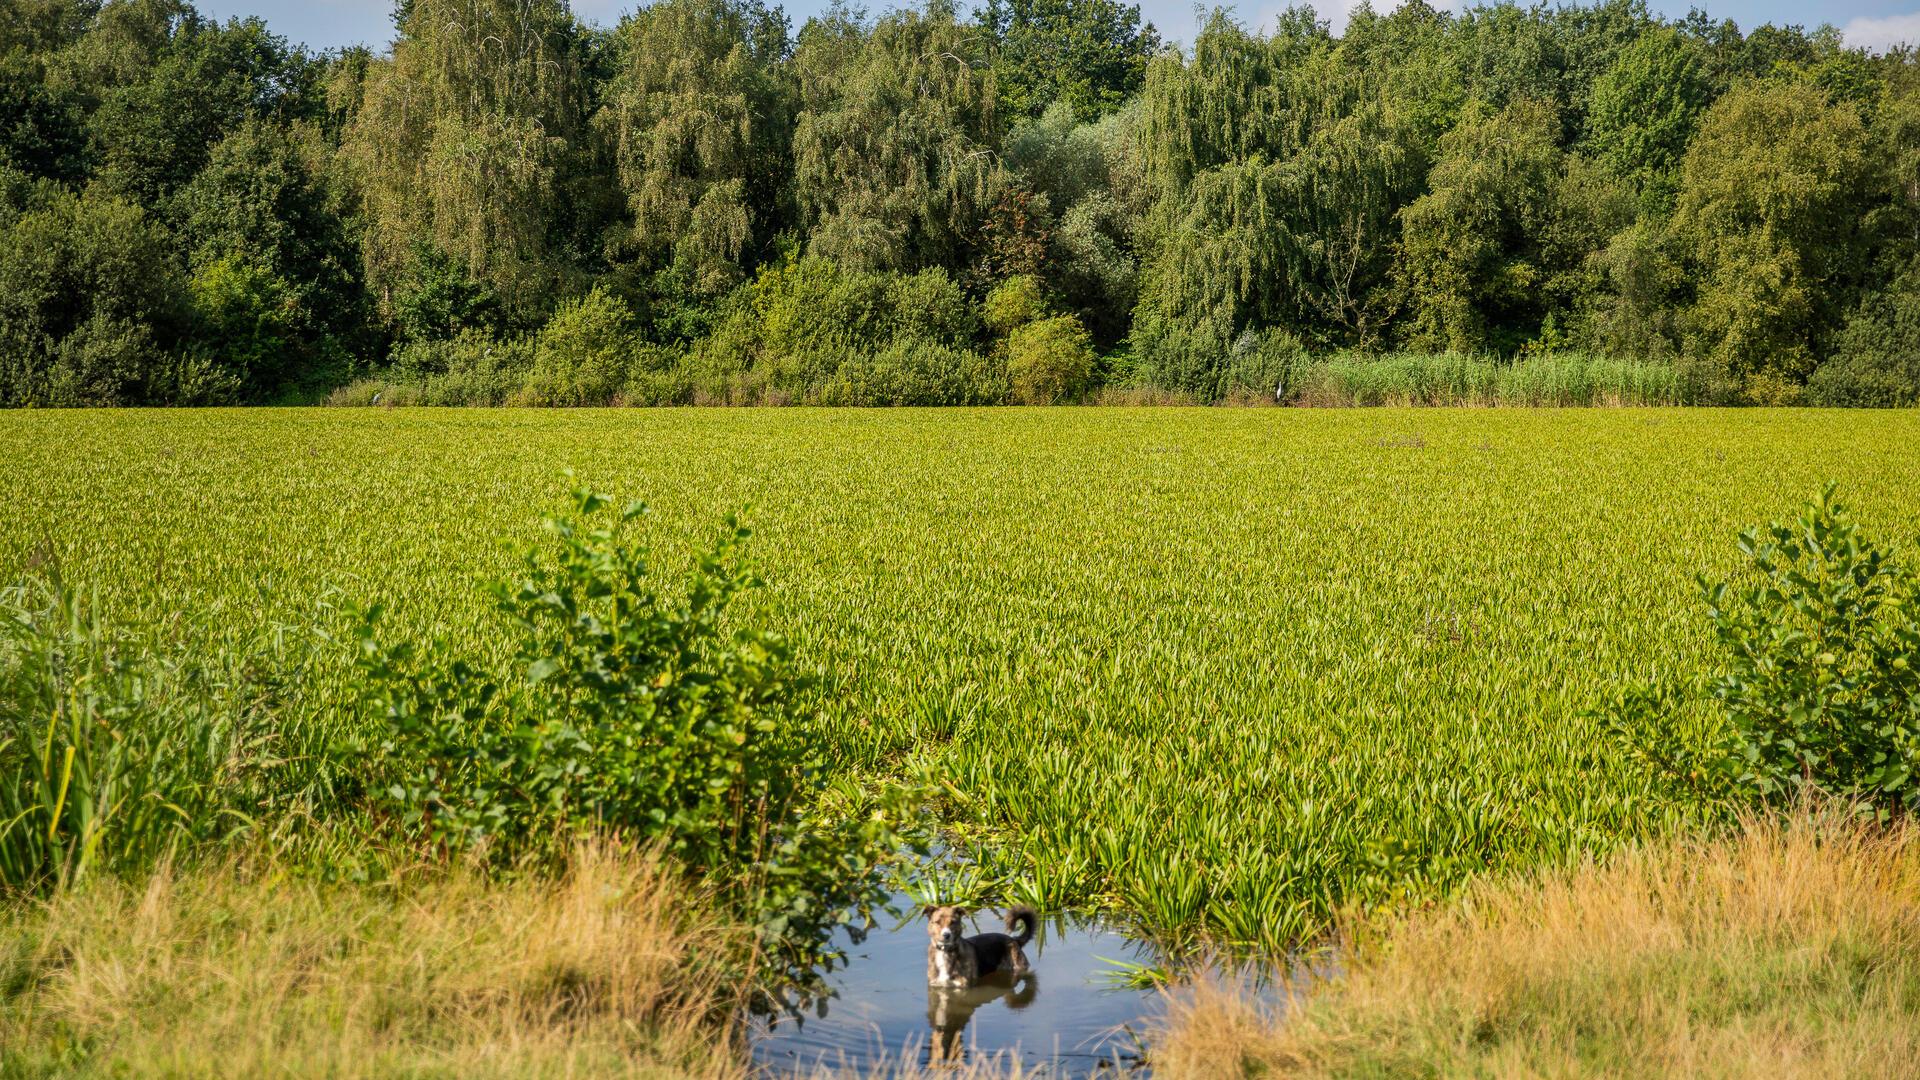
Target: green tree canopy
pixel 895 151
pixel 463 145
pixel 699 118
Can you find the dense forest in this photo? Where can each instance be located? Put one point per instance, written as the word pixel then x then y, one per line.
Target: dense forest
pixel 1024 202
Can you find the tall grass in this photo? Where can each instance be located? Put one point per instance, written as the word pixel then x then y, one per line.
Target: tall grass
pixel 245 969
pixel 1547 379
pixel 1789 949
pixel 116 754
pixel 1562 379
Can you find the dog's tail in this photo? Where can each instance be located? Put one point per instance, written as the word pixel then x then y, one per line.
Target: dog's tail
pixel 1026 919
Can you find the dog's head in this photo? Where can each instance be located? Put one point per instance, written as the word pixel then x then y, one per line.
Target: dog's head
pixel 944 926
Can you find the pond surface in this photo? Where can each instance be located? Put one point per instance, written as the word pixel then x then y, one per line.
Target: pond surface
pixel 1071 1016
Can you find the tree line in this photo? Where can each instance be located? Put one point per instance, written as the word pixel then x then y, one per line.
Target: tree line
pixel 1024 201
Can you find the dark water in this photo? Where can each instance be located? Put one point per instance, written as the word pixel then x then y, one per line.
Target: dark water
pixel 1070 1016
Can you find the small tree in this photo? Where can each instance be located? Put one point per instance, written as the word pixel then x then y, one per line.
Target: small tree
pixel 1821 692
pixel 584 354
pixel 651 717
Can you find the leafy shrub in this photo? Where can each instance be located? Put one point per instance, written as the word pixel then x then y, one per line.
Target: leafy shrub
pixel 89 302
pixel 1014 303
pixel 1050 360
pixel 915 372
pixel 1261 362
pixel 585 354
pixel 630 713
pixel 793 326
pixel 1821 693
pixel 1182 359
pixel 1876 361
pixel 437 298
pixel 470 368
pixel 243 322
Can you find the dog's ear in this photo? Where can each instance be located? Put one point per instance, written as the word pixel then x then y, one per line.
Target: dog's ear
pixel 929 909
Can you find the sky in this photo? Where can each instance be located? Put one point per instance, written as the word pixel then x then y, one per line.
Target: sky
pixel 325 24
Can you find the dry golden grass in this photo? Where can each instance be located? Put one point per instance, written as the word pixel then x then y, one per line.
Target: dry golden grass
pixel 1792 949
pixel 608 972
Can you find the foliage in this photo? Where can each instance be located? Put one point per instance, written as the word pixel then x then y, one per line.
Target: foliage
pixel 112 757
pixel 894 160
pixel 264 200
pixel 1505 180
pixel 698 119
pixel 1014 303
pixel 1821 689
pixel 646 717
pixel 1049 360
pixel 1087 55
pixel 1767 216
pixel 914 371
pixel 152 134
pixel 795 325
pixel 1645 108
pixel 89 301
pixel 584 354
pixel 1539 379
pixel 460 146
pixel 245 324
pixel 1876 359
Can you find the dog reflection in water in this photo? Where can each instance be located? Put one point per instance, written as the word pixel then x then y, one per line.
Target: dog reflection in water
pixel 950 1008
pixel 964 973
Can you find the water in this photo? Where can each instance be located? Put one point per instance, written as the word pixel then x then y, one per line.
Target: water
pixel 1070 1016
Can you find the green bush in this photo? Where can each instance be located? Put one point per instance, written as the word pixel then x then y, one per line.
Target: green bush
pixel 586 354
pixel 1050 361
pixel 1821 693
pixel 790 330
pixel 1261 363
pixel 90 301
pixel 1182 359
pixel 915 372
pixel 1876 361
pixel 631 713
pixel 1014 303
pixel 470 368
pixel 243 323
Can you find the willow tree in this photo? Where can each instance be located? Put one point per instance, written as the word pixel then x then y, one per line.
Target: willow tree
pixel 462 144
pixel 1278 170
pixel 894 149
pixel 699 120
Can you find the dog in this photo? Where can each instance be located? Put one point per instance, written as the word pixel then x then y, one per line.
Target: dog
pixel 957 963
pixel 948 1011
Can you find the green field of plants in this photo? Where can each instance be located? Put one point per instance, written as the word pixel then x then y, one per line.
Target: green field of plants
pixel 1221 670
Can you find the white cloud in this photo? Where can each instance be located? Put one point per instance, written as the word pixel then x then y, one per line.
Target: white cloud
pixel 1881 33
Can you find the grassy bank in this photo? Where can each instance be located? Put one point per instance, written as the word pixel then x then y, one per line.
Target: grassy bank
pixel 242 969
pixel 1790 949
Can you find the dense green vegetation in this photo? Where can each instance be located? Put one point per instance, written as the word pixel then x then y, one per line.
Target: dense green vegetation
pixel 1034 201
pixel 1218 669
